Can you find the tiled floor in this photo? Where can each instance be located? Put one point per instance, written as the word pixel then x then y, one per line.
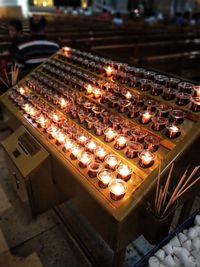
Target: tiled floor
pixel 45 242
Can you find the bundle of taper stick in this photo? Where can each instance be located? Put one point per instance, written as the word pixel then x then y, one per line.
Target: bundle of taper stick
pixel 9 82
pixel 163 202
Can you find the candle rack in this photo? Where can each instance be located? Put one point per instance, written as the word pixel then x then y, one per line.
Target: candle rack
pixel 83 112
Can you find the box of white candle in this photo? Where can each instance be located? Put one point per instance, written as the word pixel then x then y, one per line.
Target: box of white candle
pixel 180 248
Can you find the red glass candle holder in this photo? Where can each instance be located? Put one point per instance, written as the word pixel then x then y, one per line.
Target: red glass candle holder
pixel 117 189
pixel 127 95
pixel 173 130
pixel 133 111
pixel 169 94
pixel 75 150
pixel 120 141
pixel 97 93
pixel 145 85
pixel 157 89
pixel 195 104
pixel 138 100
pixel 123 105
pixel 94 168
pixel 138 135
pixel 185 87
pixel 91 146
pixel 161 79
pixel 109 135
pixel 177 116
pixel 146 116
pixel 163 110
pixel 197 90
pixel 173 83
pixel 133 148
pixel 82 139
pixel 91 122
pixel 113 101
pixel 100 153
pixel 182 99
pixel 68 144
pixel 111 161
pixel 100 128
pixel 150 105
pixel 134 81
pixel 151 143
pixel 104 178
pixel 124 172
pixel 84 159
pixel 146 158
pixel 116 121
pixel 126 127
pixel 149 75
pixel 159 123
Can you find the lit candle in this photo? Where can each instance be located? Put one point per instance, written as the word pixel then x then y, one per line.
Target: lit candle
pixel 117 189
pixel 82 139
pixel 109 135
pixel 146 158
pixel 145 116
pixel 26 107
pixel 96 92
pixel 128 95
pixel 195 104
pixel 63 103
pixel 173 131
pixel 91 146
pixel 60 138
pixel 68 144
pixel 66 51
pixel 105 177
pixel 84 159
pixel 120 141
pixel 52 130
pixel 75 150
pixel 109 71
pixel 55 117
pixel 42 121
pixel 112 161
pixel 124 172
pixel 21 90
pixel 197 90
pixel 32 112
pixel 89 89
pixel 100 153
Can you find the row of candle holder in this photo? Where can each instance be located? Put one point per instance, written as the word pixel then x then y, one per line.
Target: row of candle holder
pixel 182 98
pixel 173 131
pixel 111 67
pixel 121 141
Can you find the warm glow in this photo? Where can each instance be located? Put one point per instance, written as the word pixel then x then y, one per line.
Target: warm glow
pixel 128 95
pixel 105 177
pixel 147 115
pixel 68 144
pixel 89 89
pixel 124 170
pixel 121 140
pixel 97 92
pixel 100 153
pixel 21 90
pixel 146 158
pixel 174 129
pixel 117 188
pixel 197 91
pixel 84 158
pixel 82 139
pixel 63 103
pixel 112 161
pixel 91 145
pixel 109 71
pixel 110 133
pixel 75 150
pixel 60 137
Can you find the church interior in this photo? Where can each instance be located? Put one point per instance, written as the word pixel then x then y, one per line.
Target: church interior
pixel 99 133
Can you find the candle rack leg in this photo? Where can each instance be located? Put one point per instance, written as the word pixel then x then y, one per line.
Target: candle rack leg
pixel 119 257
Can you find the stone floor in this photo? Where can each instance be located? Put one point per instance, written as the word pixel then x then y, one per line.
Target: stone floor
pixel 46 241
